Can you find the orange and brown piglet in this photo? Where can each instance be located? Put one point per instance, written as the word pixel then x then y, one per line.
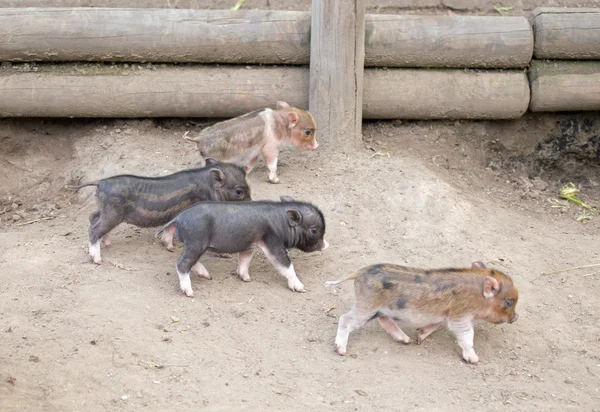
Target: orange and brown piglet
pixel 426 299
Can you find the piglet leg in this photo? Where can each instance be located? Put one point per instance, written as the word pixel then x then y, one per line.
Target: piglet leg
pixel 463 330
pixel 393 329
pixel 248 168
pixel 200 269
pixel 348 323
pixel 167 237
pixel 244 263
pixel 270 154
pixel 425 331
pixel 278 257
pixel 188 260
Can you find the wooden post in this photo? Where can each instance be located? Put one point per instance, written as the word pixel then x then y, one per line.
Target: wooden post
pixel 337 54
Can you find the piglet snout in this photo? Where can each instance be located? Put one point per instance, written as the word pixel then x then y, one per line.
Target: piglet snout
pixel 513 318
pixel 325 245
pixel 314 146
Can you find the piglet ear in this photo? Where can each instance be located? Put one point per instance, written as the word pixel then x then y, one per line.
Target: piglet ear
pixel 217 177
pixel 294 217
pixel 293 119
pixel 490 287
pixel 211 161
pixel 477 265
pixel 282 105
pixel 286 199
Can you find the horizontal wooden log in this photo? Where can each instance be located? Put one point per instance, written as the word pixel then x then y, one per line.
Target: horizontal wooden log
pixel 154 35
pixel 566 33
pixel 564 86
pixel 444 94
pixel 105 91
pixel 254 36
pixel 207 91
pixel 140 4
pixel 448 41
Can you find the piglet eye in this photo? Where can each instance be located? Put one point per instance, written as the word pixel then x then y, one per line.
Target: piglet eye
pixel 307 132
pixel 313 232
pixel 508 303
pixel 239 192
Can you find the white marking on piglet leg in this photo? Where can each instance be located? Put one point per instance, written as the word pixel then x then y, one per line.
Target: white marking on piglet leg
pixel 185 283
pixel 200 269
pixel 272 166
pixel 425 331
pixel 288 272
pixel 463 330
pixel 245 258
pixel 341 338
pixel 393 329
pixel 94 251
pixel 348 323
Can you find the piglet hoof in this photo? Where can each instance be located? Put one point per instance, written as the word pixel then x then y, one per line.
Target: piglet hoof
pixel 274 180
pixel 96 259
pixel 171 248
pixel 340 349
pixel 471 357
pixel 297 287
pixel 188 292
pixel 245 277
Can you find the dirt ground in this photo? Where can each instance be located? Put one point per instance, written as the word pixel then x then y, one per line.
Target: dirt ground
pixel 79 337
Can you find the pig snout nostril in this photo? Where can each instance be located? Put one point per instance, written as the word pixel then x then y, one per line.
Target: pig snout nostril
pixel 514 318
pixel 325 245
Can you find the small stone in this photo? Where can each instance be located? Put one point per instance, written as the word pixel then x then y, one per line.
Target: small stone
pixel 16 218
pixel 569 381
pixel 124 397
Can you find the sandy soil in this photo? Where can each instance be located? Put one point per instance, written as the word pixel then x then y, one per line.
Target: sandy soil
pixel 80 337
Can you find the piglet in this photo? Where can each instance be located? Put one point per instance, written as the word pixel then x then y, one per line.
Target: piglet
pixel 153 201
pixel 427 298
pixel 243 139
pixel 231 227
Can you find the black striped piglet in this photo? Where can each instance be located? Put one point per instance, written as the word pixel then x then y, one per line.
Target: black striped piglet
pixel 153 201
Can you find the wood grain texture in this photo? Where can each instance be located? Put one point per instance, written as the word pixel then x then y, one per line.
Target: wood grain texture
pixel 201 91
pixel 254 36
pixel 336 69
pixel 566 33
pixel 445 94
pixel 448 41
pixel 70 90
pixel 564 86
pixel 154 35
